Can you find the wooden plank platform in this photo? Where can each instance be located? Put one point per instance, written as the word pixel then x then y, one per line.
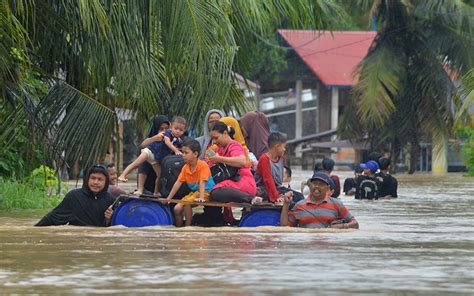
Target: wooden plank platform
pixel 152 198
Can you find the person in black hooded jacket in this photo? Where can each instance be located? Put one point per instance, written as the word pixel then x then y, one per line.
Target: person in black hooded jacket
pixel 89 206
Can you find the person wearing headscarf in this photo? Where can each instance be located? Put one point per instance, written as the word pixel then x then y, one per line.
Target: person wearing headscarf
pixel 232 153
pixel 146 174
pixel 90 205
pixel 212 116
pixel 256 126
pixel 238 136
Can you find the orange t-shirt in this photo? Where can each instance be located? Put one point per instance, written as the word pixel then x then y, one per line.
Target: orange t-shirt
pixel 192 178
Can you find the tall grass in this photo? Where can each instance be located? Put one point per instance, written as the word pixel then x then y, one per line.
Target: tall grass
pixel 19 195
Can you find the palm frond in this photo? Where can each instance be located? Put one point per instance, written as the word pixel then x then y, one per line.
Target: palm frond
pixel 379 80
pixel 75 123
pixel 12 47
pixel 466 98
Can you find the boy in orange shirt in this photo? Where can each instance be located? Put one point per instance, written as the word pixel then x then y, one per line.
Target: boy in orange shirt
pixel 197 175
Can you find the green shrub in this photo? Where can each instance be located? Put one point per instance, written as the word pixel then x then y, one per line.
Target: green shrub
pixel 43 176
pixel 467 134
pixel 20 195
pixel 39 190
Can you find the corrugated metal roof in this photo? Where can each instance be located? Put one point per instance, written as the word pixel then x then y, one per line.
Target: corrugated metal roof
pixel 334 56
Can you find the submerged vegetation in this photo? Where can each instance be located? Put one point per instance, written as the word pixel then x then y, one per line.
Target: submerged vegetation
pixel 40 190
pixel 21 195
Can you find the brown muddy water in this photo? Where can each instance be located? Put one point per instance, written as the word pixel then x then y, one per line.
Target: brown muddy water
pixel 420 243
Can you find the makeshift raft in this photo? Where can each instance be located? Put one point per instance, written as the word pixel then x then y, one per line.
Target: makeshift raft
pixel 132 211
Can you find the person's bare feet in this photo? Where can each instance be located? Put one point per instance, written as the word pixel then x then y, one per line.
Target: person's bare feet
pixel 279 202
pixel 137 192
pixel 157 195
pixel 256 200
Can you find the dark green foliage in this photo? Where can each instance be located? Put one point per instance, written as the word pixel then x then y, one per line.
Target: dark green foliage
pixel 151 57
pixel 405 88
pixel 467 135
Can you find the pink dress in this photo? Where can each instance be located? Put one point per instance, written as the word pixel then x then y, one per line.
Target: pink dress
pixel 246 183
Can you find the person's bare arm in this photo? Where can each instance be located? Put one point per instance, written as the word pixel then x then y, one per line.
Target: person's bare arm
pixel 173 191
pixel 201 191
pixel 108 215
pixel 156 138
pixel 286 208
pixel 352 224
pixel 170 145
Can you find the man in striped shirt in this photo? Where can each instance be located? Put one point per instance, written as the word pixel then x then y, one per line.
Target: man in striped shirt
pixel 319 209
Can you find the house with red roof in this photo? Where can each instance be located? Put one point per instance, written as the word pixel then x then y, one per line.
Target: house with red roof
pixel 322 63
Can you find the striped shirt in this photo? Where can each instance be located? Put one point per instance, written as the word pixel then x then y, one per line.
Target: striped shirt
pixel 311 214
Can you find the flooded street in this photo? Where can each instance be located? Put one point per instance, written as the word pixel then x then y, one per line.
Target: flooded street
pixel 420 243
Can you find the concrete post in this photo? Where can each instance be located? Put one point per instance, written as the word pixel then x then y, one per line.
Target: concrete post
pixel 334 107
pixel 299 112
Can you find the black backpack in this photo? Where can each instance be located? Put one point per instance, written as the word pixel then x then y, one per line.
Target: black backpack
pixel 171 166
pixel 368 188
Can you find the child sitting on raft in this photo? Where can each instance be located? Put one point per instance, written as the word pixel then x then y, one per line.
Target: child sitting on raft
pixel 270 171
pixel 156 151
pixel 197 176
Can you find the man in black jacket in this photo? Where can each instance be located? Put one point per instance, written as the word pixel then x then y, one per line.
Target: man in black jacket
pixel 89 206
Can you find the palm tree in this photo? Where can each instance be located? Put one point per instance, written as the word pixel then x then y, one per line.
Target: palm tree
pixel 405 85
pixel 167 56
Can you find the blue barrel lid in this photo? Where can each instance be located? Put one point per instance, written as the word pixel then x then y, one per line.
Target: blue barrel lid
pixel 140 212
pixel 261 218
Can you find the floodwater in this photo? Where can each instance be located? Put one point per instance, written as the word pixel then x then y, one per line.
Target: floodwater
pixel 421 243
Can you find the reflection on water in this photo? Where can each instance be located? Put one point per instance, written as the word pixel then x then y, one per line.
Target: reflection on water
pixel 421 243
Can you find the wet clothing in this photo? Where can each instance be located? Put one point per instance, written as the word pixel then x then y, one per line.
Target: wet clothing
pixel 349 183
pixel 318 214
pixel 367 187
pixel 256 126
pixel 81 207
pixel 389 184
pixel 160 150
pixel 337 186
pixel 205 140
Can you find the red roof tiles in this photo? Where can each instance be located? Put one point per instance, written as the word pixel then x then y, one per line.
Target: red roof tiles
pixel 333 58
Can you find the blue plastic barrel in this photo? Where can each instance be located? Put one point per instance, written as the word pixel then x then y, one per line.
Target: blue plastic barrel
pixel 261 218
pixel 140 212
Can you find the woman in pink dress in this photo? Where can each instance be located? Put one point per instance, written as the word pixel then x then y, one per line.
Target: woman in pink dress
pixel 231 153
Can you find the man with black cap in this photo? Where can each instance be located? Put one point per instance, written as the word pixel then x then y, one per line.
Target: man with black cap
pixel 319 209
pixel 89 206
